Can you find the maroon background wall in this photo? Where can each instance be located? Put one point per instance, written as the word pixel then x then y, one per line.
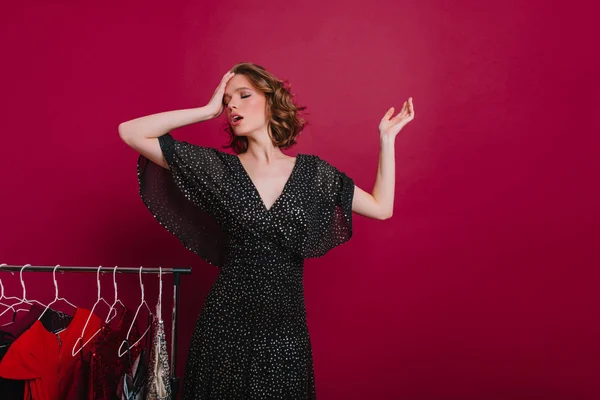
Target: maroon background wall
pixel 483 285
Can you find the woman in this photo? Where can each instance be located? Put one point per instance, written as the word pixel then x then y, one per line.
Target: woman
pixel 256 215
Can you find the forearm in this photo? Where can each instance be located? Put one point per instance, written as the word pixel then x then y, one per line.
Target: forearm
pixel 155 125
pixel 383 190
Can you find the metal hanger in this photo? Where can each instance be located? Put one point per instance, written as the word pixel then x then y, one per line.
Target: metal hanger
pixel 76 350
pixel 2 297
pixel 142 303
pixel 112 307
pixel 56 298
pixel 24 299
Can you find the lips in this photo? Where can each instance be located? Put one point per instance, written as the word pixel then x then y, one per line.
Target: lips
pixel 235 119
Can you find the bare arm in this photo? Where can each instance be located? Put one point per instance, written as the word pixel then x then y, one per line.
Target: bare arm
pixel 142 133
pixel 155 125
pixel 380 204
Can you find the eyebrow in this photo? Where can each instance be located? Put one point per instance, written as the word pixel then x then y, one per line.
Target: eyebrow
pixel 236 90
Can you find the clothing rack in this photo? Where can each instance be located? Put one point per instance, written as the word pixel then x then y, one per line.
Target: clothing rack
pixel 176 272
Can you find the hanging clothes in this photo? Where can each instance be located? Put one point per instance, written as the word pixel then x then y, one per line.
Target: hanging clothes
pixel 52 320
pixel 159 383
pixel 9 333
pixel 106 368
pixel 132 385
pixel 43 359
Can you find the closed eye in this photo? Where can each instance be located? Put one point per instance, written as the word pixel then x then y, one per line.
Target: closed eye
pixel 243 97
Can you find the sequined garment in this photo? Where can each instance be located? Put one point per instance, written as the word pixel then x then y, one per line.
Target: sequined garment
pixel 159 384
pixel 106 368
pixel 251 339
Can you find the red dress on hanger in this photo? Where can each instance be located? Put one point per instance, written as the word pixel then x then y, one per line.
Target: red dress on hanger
pixel 43 359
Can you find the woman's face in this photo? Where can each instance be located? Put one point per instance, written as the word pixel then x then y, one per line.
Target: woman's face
pixel 242 99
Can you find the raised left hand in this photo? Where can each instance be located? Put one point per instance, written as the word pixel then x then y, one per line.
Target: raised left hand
pixel 389 127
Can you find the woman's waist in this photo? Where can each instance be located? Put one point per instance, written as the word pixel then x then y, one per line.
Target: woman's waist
pixel 249 275
pixel 261 253
pixel 257 295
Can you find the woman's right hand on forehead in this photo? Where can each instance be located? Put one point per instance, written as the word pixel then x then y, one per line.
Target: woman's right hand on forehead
pixel 215 105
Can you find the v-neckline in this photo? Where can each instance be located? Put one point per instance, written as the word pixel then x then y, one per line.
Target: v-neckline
pixel 255 189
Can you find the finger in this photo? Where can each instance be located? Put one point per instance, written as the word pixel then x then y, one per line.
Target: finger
pixel 224 83
pixel 227 76
pixel 404 109
pixel 402 114
pixel 389 113
pixel 407 106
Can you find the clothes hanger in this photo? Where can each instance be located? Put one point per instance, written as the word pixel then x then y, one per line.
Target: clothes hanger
pixel 142 303
pixel 159 301
pixel 56 298
pixel 2 297
pixel 112 307
pixel 23 300
pixel 8 306
pixel 100 298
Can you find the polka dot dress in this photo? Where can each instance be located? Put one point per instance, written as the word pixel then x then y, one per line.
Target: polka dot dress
pixel 251 339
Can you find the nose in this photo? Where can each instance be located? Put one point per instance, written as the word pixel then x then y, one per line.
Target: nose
pixel 231 105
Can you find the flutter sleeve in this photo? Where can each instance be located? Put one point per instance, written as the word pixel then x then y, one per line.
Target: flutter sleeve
pixel 329 211
pixel 186 198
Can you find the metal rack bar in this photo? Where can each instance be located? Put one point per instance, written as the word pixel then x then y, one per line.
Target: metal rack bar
pixel 109 269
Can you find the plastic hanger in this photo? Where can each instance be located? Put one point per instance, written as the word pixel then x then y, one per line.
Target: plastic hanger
pixel 112 307
pixel 142 303
pixel 56 298
pixel 76 350
pixel 23 300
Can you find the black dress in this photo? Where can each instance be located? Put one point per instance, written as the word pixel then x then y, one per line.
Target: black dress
pixel 251 339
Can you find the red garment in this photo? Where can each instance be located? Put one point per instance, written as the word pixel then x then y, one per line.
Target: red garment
pixel 43 359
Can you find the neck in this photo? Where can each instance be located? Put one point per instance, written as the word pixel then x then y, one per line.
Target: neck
pixel 262 150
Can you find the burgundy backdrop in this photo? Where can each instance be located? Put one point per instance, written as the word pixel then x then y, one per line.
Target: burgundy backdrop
pixel 483 285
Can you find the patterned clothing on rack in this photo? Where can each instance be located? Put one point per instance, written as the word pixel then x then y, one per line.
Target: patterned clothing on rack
pixel 134 384
pixel 106 368
pixel 159 379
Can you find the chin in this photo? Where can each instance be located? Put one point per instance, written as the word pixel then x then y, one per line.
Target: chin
pixel 242 132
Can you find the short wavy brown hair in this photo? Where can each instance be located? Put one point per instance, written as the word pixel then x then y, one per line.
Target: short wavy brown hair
pixel 285 123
